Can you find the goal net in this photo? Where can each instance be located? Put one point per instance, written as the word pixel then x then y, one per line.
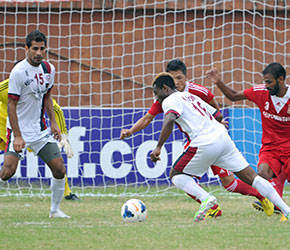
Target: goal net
pixel 106 54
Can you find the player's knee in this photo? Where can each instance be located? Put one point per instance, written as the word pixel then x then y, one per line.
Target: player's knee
pixel 265 173
pixel 58 173
pixel 173 172
pixel 247 175
pixel 57 167
pixel 7 172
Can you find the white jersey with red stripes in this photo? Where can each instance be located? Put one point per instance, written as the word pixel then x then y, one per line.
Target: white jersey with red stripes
pixel 190 87
pixel 28 85
pixel 195 117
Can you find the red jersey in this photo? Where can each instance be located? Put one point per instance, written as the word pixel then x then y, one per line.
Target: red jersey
pixel 190 87
pixel 275 113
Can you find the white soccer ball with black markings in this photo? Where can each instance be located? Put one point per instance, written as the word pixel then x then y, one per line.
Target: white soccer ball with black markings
pixel 134 210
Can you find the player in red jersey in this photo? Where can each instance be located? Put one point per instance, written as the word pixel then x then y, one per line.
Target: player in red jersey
pixel 178 70
pixel 273 100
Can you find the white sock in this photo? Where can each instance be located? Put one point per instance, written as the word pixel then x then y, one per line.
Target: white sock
pixel 57 189
pixel 266 189
pixel 188 185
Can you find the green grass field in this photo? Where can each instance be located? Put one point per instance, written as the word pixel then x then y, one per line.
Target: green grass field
pixel 96 224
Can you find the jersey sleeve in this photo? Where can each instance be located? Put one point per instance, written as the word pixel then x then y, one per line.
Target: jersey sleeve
pixel 249 93
pixel 3 91
pixel 59 117
pixel 52 75
pixel 210 96
pixel 202 92
pixel 155 109
pixel 15 84
pixel 256 93
pixel 3 99
pixel 172 105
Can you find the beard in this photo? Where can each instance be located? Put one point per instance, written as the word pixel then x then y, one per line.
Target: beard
pixel 275 90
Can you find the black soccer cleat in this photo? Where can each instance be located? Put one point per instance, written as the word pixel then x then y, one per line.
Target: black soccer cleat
pixel 72 197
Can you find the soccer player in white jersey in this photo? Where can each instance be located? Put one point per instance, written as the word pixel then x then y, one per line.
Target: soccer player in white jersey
pixel 29 94
pixel 209 145
pixel 178 70
pixel 60 120
pixel 273 100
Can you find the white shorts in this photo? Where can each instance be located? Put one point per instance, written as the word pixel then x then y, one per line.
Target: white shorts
pixel 35 146
pixel 223 153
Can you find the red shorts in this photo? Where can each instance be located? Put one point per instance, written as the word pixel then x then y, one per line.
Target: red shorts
pixel 276 158
pixel 221 172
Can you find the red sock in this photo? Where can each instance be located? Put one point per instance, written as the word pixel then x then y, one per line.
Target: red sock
pixel 278 183
pixel 238 186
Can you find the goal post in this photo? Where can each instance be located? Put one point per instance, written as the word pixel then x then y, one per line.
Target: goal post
pixel 107 53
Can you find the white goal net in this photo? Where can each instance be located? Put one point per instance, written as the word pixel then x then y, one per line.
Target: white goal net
pixel 106 54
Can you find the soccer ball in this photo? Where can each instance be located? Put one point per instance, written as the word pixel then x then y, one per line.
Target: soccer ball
pixel 134 210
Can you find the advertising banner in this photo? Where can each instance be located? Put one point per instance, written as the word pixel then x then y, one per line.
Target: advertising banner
pixel 101 157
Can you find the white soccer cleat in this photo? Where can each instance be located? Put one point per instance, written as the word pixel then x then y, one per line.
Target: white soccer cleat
pixel 58 214
pixel 204 207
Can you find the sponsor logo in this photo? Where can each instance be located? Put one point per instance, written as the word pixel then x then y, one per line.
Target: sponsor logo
pixel 28 82
pixel 276 117
pixel 48 77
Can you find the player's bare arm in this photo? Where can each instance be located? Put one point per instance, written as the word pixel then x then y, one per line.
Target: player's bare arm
pixel 18 143
pixel 142 123
pixel 50 112
pixel 166 131
pixel 230 93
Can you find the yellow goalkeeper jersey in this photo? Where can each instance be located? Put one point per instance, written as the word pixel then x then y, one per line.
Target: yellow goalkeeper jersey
pixel 59 117
pixel 3 98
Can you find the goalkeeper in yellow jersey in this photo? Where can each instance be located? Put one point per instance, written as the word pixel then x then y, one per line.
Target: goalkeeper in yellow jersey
pixel 59 117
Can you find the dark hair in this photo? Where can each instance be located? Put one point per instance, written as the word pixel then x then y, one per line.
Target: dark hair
pixel 164 79
pixel 175 65
pixel 37 36
pixel 276 70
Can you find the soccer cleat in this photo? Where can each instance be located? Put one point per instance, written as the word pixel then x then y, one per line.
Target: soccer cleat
pixel 72 197
pixel 268 207
pixel 59 214
pixel 284 218
pixel 204 207
pixel 258 205
pixel 214 212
